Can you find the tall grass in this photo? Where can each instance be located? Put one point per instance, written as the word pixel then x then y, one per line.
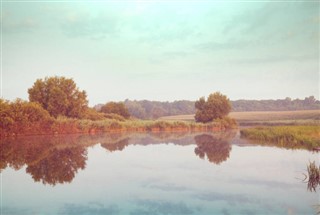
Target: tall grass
pixel 63 125
pixel 307 136
pixel 111 125
pixel 313 176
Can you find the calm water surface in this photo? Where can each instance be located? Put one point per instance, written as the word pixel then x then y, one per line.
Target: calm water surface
pixel 165 173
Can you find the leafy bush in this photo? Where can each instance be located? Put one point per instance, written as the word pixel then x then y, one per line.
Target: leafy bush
pixel 21 117
pixel 115 108
pixel 92 114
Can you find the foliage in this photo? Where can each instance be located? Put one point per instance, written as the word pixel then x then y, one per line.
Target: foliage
pixel 59 96
pixel 6 114
pixel 115 108
pixel 216 106
pixel 286 136
pixel 23 117
pixel 92 114
pixel 226 122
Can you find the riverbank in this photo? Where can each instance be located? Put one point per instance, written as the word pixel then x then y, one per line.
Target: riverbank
pixel 302 136
pixel 74 126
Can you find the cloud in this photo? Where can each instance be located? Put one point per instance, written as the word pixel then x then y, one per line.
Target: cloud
pixel 225 211
pixel 16 211
pixel 231 199
pixel 268 184
pixel 275 59
pixel 83 24
pixel 175 54
pixel 19 26
pixel 166 33
pixel 248 212
pixel 163 207
pixel 167 187
pixel 213 46
pixel 242 211
pixel 91 208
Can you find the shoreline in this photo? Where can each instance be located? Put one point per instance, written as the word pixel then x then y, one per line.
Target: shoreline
pixel 76 126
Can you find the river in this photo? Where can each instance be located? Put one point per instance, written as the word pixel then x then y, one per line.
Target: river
pixel 156 174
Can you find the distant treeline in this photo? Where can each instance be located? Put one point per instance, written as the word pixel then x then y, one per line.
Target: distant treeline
pixel 145 109
pixel 287 104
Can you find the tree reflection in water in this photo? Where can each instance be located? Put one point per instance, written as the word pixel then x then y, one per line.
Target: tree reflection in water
pixel 215 149
pixel 59 166
pixel 50 160
pixel 57 159
pixel 115 142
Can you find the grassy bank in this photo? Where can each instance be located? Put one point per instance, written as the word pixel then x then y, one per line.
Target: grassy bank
pixel 73 126
pixel 306 136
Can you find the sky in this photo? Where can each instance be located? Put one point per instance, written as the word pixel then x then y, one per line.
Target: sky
pixel 161 50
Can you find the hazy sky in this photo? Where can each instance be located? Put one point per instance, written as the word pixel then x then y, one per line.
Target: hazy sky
pixel 163 50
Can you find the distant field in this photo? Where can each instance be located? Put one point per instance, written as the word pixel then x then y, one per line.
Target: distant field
pixel 259 117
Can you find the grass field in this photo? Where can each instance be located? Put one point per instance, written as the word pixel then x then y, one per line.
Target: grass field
pixel 265 117
pixel 301 136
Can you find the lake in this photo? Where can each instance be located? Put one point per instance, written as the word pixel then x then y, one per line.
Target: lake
pixel 159 173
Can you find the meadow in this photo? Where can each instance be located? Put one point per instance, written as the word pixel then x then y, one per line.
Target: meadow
pixel 265 117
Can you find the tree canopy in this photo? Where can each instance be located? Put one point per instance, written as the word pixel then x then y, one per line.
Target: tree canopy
pixel 115 108
pixel 59 96
pixel 216 106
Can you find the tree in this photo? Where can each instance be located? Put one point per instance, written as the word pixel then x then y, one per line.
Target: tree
pixel 216 106
pixel 115 108
pixel 59 96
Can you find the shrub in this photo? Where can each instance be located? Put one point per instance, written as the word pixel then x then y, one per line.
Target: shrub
pixel 216 106
pixel 21 117
pixel 115 108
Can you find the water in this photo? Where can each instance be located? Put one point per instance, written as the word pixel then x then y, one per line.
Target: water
pixel 164 173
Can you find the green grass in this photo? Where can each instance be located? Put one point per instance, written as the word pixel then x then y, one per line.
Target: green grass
pixel 302 136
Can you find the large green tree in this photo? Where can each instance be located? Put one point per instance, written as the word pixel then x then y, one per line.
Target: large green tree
pixel 115 108
pixel 216 106
pixel 59 96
